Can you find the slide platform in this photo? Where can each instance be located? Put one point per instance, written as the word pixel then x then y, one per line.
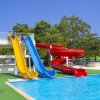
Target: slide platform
pixel 43 72
pixel 22 67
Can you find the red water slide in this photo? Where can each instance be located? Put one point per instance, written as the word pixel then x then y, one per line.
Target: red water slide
pixel 61 52
pixel 58 64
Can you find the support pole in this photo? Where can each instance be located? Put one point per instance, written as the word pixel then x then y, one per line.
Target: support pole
pixel 25 51
pixel 67 61
pixel 16 70
pixel 29 62
pixel 32 37
pixel 51 57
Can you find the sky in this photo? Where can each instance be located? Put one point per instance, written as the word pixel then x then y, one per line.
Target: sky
pixel 32 11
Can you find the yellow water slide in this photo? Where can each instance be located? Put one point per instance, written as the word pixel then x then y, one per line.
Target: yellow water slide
pixel 21 64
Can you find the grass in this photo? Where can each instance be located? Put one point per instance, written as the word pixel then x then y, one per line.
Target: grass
pixel 93 71
pixel 6 93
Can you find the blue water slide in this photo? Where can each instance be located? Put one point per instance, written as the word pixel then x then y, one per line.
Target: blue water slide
pixel 43 72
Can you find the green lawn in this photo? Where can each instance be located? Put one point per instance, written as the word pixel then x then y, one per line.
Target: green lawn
pixel 6 93
pixel 93 71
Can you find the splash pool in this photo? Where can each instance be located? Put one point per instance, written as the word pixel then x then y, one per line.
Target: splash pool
pixel 67 88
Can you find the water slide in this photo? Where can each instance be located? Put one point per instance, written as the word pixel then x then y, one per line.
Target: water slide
pixel 59 64
pixel 43 72
pixel 22 67
pixel 60 52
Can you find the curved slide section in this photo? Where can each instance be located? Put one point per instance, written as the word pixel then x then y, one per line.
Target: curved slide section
pixel 25 72
pixel 59 50
pixel 36 59
pixel 70 53
pixel 58 64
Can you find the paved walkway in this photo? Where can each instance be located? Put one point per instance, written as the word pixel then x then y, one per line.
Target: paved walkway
pixel 86 67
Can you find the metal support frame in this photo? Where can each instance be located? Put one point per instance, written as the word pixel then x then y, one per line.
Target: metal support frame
pixel 7 44
pixel 66 61
pixel 51 57
pixel 33 39
pixel 16 69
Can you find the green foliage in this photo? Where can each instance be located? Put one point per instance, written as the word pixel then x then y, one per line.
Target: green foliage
pixel 21 29
pixel 93 48
pixel 42 27
pixel 6 51
pixel 72 32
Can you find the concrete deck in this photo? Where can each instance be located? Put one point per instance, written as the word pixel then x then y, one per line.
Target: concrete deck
pixel 87 67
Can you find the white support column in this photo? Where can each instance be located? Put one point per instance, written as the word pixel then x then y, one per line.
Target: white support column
pixel 16 70
pixel 25 51
pixel 28 57
pixel 66 61
pixel 51 57
pixel 29 62
pixel 33 39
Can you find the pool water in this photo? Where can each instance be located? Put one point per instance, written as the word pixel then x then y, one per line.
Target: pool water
pixel 67 88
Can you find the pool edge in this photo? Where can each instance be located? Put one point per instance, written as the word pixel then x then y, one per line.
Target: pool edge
pixel 27 97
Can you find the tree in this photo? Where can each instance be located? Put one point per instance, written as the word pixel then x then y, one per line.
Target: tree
pixel 91 43
pixel 74 29
pixel 63 26
pixel 95 48
pixel 41 27
pixel 21 29
pixel 72 32
pixel 40 30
